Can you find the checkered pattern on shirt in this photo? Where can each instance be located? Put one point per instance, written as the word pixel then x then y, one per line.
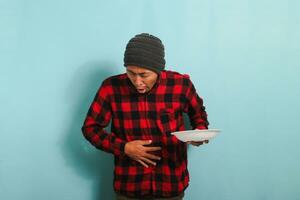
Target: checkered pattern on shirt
pixel 142 117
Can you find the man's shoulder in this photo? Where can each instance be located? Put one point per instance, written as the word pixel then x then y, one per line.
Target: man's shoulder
pixel 176 75
pixel 115 79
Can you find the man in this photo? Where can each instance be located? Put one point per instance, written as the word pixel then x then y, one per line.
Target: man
pixel 145 105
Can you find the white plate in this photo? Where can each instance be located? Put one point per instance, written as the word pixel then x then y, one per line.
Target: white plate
pixel 196 135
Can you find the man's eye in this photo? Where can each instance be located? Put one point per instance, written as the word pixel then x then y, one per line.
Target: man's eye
pixel 130 73
pixel 144 75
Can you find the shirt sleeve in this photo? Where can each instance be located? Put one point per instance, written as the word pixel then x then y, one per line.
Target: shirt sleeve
pixel 98 117
pixel 194 107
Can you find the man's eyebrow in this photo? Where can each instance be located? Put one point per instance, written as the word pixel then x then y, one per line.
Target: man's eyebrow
pixel 143 73
pixel 130 71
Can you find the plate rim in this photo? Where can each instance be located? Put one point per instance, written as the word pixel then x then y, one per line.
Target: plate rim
pixel 196 130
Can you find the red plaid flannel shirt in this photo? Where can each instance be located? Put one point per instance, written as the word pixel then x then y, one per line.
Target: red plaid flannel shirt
pixel 152 116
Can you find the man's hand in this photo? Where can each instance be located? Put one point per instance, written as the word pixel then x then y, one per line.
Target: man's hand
pixel 197 143
pixel 138 152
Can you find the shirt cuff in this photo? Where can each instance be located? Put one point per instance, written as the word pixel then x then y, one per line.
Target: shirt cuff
pixel 201 127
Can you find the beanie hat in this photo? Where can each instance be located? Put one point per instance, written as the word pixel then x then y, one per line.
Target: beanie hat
pixel 145 50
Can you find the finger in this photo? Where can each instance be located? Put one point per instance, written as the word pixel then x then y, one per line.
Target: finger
pixel 144 164
pixel 152 148
pixel 201 143
pixel 146 160
pixel 197 143
pixel 151 156
pixel 191 142
pixel 145 142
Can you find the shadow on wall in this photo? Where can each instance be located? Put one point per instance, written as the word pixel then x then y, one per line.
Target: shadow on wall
pixel 90 163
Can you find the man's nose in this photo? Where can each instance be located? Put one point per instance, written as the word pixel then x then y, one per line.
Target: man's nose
pixel 138 80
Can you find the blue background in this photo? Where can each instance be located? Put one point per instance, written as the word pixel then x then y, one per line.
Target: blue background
pixel 242 55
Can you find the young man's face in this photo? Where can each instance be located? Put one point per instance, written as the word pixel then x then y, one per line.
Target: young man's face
pixel 143 79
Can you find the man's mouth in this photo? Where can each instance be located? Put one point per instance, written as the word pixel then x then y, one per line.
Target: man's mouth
pixel 141 90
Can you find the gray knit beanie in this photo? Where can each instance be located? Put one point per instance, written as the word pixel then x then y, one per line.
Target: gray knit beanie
pixel 145 50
